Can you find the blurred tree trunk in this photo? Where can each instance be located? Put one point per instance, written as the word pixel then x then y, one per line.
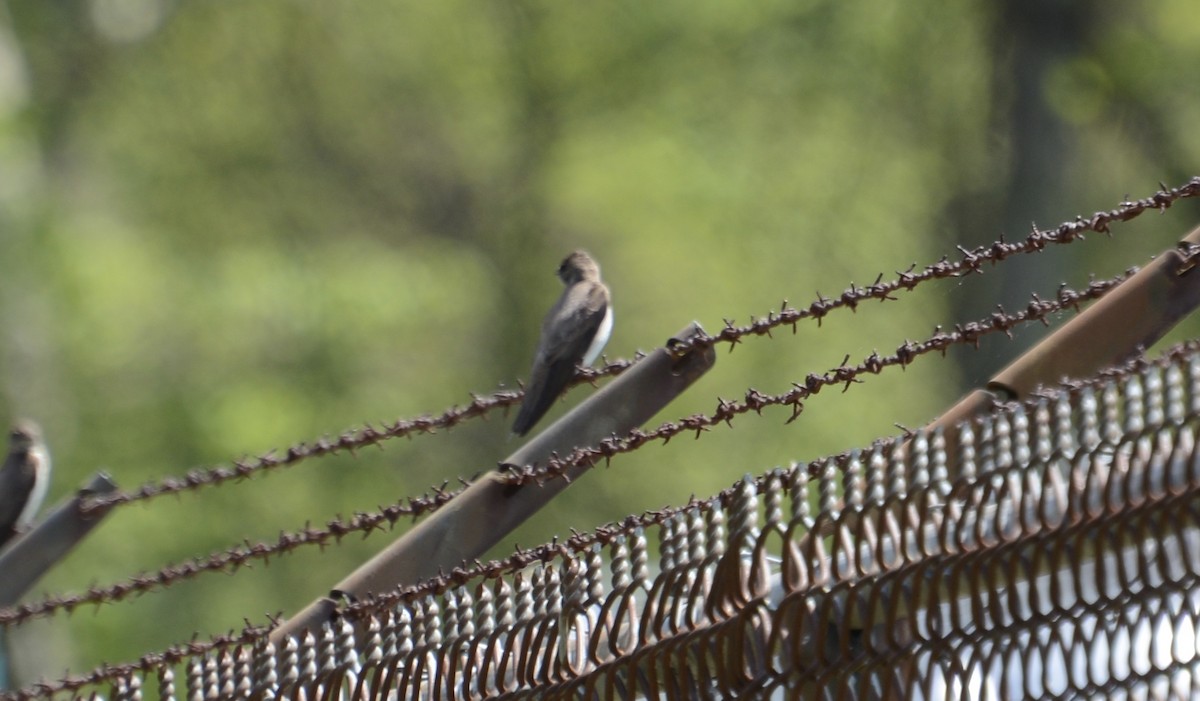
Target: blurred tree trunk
pixel 63 56
pixel 1032 38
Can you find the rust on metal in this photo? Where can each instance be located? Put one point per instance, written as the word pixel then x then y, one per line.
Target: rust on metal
pixel 1127 320
pixel 464 528
pixel 386 518
pixel 971 262
pixel 1051 529
pixel 1068 535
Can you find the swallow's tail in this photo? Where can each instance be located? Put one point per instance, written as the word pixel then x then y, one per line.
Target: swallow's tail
pixel 541 394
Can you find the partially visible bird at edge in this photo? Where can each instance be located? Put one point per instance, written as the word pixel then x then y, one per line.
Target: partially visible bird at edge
pixel 24 478
pixel 573 333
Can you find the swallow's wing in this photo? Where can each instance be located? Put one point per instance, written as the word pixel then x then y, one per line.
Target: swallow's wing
pixel 572 323
pixel 16 484
pixel 567 334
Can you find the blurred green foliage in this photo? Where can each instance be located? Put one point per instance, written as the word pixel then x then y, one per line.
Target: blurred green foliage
pixel 229 227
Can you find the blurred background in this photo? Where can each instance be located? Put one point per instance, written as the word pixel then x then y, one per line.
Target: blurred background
pixel 230 227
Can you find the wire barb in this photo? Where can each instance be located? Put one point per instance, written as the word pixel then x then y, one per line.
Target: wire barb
pixel 970 263
pixel 732 569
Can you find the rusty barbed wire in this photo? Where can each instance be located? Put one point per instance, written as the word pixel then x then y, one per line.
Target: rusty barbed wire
pixel 969 333
pixel 238 556
pixel 604 535
pixel 146 663
pixel 481 405
pixel 234 558
pixel 349 441
pixel 972 262
pixel 520 559
pixel 1136 504
pixel 578 542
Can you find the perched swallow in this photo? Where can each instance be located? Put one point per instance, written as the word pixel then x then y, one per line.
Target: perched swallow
pixel 573 333
pixel 23 479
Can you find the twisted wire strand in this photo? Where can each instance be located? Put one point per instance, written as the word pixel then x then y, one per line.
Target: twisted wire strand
pixel 234 558
pixel 193 649
pixel 845 375
pixel 1115 479
pixel 971 262
pixel 577 545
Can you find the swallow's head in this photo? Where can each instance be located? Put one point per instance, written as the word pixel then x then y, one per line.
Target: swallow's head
pixel 578 266
pixel 24 436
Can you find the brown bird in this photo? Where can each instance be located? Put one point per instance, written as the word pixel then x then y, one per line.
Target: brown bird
pixel 573 333
pixel 24 478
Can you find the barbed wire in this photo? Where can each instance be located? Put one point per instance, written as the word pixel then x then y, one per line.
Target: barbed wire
pixel 972 262
pixel 350 441
pixel 481 405
pixel 578 543
pixel 234 558
pixel 520 559
pixel 145 664
pixel 969 333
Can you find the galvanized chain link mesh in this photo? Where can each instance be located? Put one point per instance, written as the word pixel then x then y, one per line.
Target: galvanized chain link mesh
pixel 1056 554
